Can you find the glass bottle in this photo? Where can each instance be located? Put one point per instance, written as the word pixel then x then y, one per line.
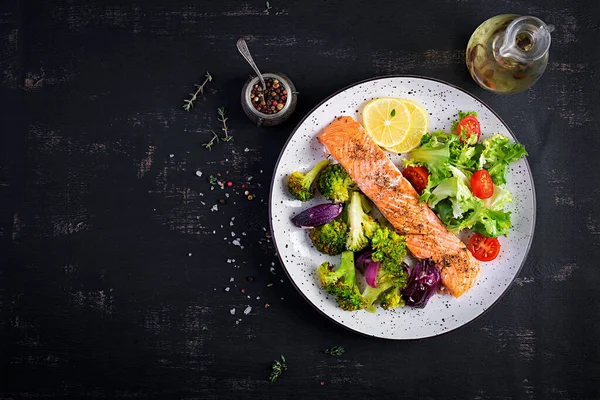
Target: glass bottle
pixel 508 53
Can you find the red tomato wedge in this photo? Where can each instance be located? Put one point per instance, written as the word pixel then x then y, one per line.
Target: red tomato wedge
pixel 482 185
pixel 467 127
pixel 417 176
pixel 484 248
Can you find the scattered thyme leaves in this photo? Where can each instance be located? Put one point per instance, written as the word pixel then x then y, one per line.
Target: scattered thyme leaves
pixel 277 369
pixel 335 351
pixel 188 104
pixel 212 180
pixel 267 6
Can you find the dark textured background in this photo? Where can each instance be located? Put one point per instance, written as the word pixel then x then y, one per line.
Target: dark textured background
pixel 112 283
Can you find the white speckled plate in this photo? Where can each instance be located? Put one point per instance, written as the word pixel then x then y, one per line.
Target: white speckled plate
pixel 300 258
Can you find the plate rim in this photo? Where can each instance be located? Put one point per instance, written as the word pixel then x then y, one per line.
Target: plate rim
pixel 308 114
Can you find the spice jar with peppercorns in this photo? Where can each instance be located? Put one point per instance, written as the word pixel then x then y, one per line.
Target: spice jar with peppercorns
pixel 270 105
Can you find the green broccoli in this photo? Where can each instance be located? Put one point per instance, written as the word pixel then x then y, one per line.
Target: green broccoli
pixel 329 238
pixel 392 298
pixel 335 184
pixel 389 248
pixel 391 279
pixel 361 226
pixel 301 185
pixel 341 283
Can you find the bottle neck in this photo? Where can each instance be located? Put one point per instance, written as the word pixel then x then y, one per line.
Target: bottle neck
pixel 525 40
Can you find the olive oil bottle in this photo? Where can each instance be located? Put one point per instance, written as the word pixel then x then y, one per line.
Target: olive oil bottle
pixel 508 53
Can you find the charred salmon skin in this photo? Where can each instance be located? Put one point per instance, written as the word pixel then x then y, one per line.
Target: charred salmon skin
pixel 380 180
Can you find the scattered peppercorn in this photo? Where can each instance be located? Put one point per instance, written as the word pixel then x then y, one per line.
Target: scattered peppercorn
pixel 267 305
pixel 243 290
pixel 273 100
pixel 250 197
pixel 222 201
pixel 250 278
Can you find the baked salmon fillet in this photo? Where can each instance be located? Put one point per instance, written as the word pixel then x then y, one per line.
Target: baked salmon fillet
pixel 380 180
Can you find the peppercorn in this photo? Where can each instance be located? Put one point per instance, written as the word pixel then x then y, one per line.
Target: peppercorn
pixel 250 197
pixel 222 201
pixel 272 101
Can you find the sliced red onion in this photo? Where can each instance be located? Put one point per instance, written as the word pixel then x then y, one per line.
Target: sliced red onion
pixel 363 259
pixel 317 215
pixel 371 273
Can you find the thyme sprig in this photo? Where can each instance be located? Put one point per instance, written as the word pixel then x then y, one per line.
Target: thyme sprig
pixel 277 369
pixel 188 104
pixel 222 111
pixel 335 351
pixel 215 139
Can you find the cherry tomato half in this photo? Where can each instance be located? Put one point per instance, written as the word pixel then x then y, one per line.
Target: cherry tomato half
pixel 417 176
pixel 484 248
pixel 467 127
pixel 482 185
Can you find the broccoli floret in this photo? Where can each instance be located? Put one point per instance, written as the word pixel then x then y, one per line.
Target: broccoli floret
pixel 392 298
pixel 341 283
pixel 361 226
pixel 329 238
pixel 301 185
pixel 335 183
pixel 391 279
pixel 389 248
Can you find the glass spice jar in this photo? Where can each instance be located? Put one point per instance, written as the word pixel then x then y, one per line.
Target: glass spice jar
pixel 280 115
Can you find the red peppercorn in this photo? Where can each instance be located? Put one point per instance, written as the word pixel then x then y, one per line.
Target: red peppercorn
pixel 243 290
pixel 274 102
pixel 283 98
pixel 229 184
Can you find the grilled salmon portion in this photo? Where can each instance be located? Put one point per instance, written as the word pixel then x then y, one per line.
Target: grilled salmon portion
pixel 379 179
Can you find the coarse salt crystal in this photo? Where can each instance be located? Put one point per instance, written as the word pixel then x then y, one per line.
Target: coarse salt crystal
pixel 247 310
pixel 189 254
pixel 214 208
pixel 227 289
pixel 246 150
pixel 236 242
pixel 231 279
pixel 171 155
pixel 232 234
pixel 232 311
pixel 198 174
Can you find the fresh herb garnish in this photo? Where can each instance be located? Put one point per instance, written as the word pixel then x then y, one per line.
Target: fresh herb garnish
pixel 393 113
pixel 222 111
pixel 335 351
pixel 189 103
pixel 215 139
pixel 212 180
pixel 267 6
pixel 277 369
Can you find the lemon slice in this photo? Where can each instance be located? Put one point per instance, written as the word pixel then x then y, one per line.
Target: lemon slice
pixel 418 127
pixel 387 120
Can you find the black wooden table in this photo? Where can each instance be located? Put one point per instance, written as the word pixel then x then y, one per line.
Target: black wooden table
pixel 119 276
